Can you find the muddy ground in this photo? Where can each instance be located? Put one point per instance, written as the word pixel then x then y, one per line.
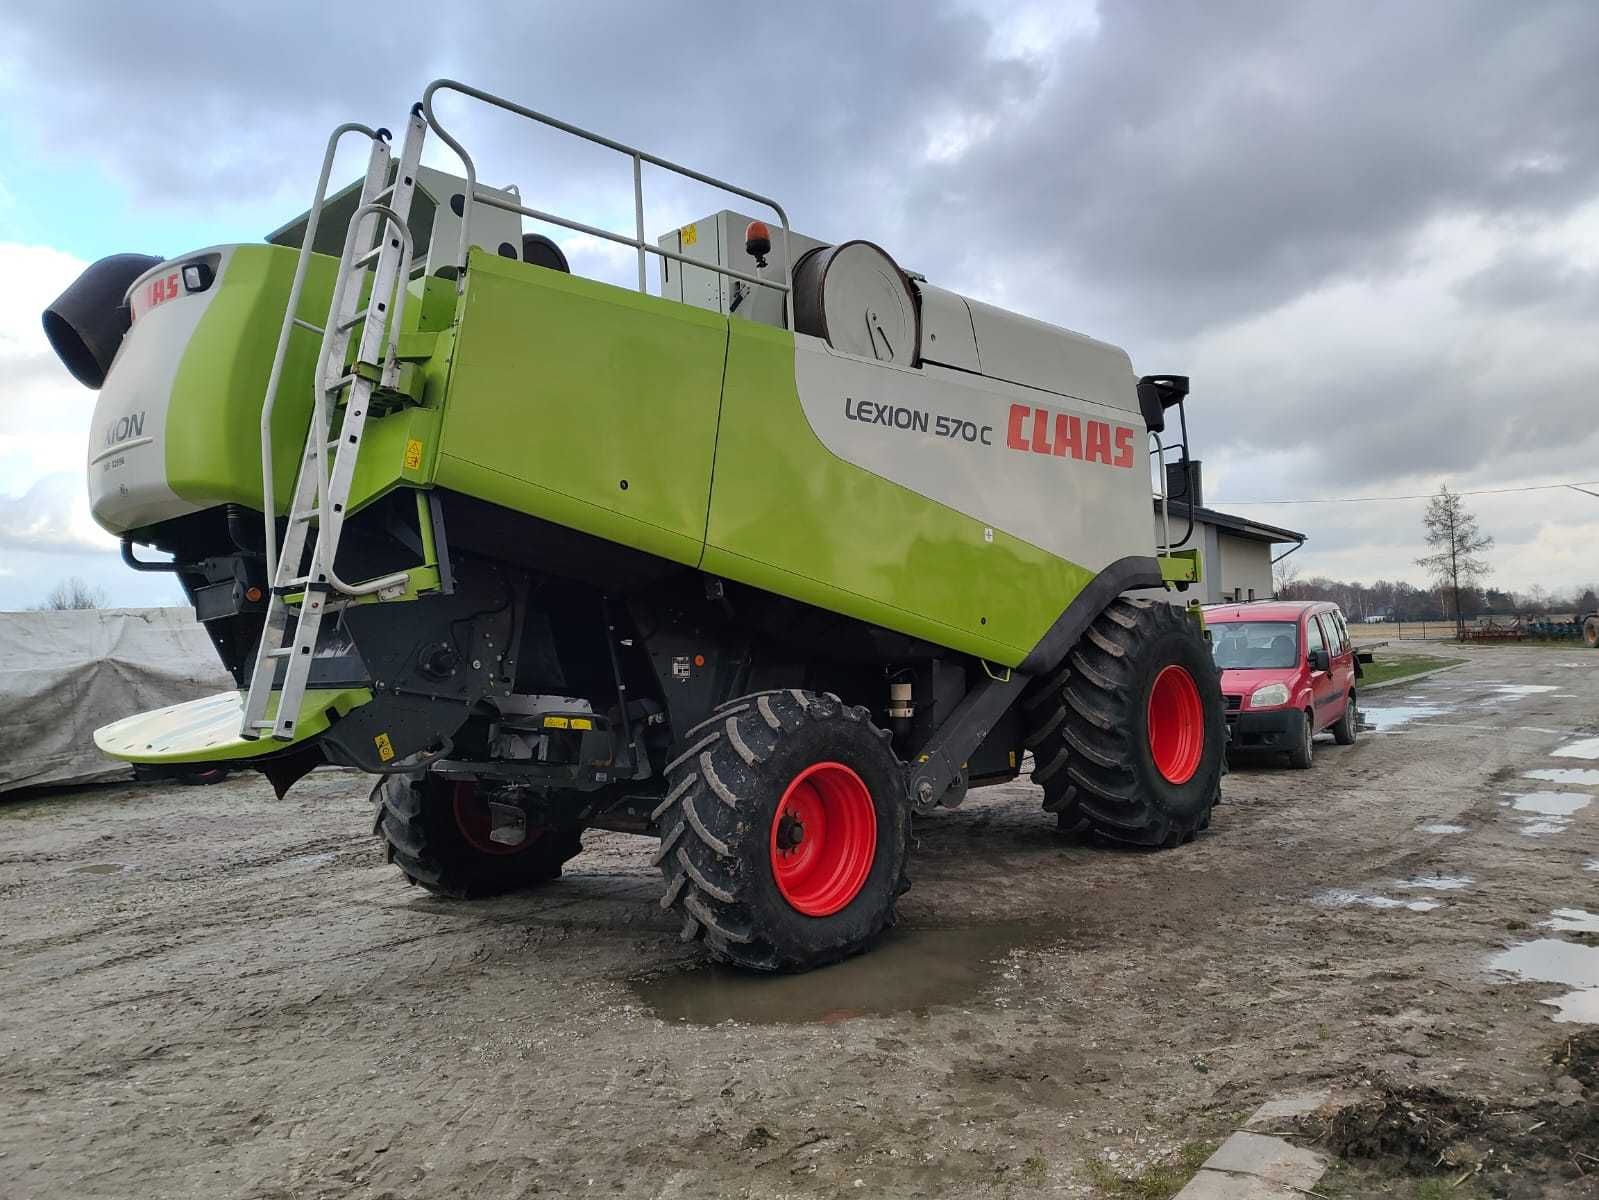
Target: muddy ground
pixel 209 993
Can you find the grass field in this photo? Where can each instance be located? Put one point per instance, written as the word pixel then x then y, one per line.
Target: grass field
pixel 1388 667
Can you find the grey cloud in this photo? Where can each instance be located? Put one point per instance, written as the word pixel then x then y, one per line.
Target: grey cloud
pixel 1533 279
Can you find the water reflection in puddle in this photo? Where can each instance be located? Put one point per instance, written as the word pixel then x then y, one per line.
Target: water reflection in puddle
pixel 1442 828
pixel 1591 865
pixel 1344 898
pixel 1549 960
pixel 1443 883
pixel 1551 804
pixel 1572 920
pixel 1583 748
pixel 1381 720
pixel 1575 776
pixel 908 971
pixel 1523 689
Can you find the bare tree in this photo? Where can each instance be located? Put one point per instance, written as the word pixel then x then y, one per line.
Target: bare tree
pixel 1455 563
pixel 72 593
pixel 1284 575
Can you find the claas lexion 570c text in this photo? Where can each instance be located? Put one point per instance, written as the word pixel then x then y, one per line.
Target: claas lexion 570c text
pixel 758 560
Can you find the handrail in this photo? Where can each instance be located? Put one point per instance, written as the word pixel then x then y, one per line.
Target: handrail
pixel 1159 455
pixel 639 157
pixel 291 319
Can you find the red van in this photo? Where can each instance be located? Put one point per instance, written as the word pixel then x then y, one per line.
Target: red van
pixel 1288 672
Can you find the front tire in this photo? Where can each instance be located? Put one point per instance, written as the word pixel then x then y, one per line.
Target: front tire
pixel 1129 733
pixel 1303 752
pixel 1348 727
pixel 437 832
pixel 784 831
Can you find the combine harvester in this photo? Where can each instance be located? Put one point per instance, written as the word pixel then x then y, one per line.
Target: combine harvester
pixel 759 566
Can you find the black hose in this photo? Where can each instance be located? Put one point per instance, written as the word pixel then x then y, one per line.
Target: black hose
pixel 86 323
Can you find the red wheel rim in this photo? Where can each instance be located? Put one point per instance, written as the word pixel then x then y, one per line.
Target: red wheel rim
pixel 473 820
pixel 824 839
pixel 1176 725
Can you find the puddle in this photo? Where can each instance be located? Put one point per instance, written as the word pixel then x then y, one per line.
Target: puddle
pixel 1549 960
pixel 1591 865
pixel 1380 720
pixel 1442 828
pixel 99 869
pixel 1572 920
pixel 1544 828
pixel 311 860
pixel 1551 804
pixel 1582 748
pixel 1343 898
pixel 1576 776
pixel 908 971
pixel 1523 689
pixel 1442 883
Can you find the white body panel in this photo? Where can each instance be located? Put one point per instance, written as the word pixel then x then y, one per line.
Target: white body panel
pixel 981 447
pixel 947 333
pixel 719 239
pixel 1035 354
pixel 127 464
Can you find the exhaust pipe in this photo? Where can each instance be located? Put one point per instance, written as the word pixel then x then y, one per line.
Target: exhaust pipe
pixel 86 323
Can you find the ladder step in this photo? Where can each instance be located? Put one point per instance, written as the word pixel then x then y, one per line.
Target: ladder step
pixel 353 321
pixel 308 325
pixel 281 652
pixel 363 259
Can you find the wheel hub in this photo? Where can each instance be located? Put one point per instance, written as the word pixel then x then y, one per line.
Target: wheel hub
pixel 790 832
pixel 1175 719
pixel 824 839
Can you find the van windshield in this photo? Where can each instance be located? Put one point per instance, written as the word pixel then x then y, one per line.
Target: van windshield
pixel 1245 644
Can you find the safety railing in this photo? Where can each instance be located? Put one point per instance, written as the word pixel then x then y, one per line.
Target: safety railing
pixel 638 157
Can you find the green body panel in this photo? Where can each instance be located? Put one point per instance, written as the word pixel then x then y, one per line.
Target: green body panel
pixel 584 404
pixel 213 430
pixel 207 730
pixel 789 516
pixel 213 425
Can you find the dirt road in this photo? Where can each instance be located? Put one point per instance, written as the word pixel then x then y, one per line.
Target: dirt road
pixel 210 993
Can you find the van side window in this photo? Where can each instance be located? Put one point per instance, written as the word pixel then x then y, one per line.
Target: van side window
pixel 1343 632
pixel 1313 637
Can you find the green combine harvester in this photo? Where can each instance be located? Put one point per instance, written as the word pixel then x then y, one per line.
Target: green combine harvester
pixel 759 566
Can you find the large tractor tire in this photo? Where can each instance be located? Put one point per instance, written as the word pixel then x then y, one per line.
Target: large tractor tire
pixel 784 831
pixel 437 832
pixel 1128 734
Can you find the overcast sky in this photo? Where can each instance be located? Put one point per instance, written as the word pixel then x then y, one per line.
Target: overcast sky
pixel 1369 232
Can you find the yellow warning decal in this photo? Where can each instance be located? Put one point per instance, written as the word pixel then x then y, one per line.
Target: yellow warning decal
pixel 385 747
pixel 557 723
pixel 691 235
pixel 413 454
pixel 582 723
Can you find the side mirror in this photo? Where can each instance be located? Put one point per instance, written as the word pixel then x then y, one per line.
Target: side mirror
pixel 1317 660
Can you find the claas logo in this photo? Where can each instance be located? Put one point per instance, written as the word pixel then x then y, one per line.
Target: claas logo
pixel 1065 435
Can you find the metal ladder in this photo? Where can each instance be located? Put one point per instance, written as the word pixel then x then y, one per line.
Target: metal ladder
pixel 305 586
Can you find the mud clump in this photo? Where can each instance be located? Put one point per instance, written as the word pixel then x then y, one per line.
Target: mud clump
pixel 1419 1129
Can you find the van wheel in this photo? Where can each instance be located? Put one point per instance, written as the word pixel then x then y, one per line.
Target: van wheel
pixel 1129 733
pixel 1304 751
pixel 784 831
pixel 1348 727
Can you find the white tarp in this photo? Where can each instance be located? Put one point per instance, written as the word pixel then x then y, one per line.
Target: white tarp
pixel 64 674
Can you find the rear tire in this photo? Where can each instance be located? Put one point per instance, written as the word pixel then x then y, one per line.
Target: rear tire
pixel 1129 733
pixel 434 831
pixel 784 831
pixel 1303 752
pixel 1348 727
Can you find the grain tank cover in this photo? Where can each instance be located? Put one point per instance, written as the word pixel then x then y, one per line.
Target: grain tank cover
pixel 856 297
pixel 947 335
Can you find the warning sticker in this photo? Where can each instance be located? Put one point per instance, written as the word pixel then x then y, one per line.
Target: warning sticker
pixel 385 747
pixel 691 235
pixel 413 454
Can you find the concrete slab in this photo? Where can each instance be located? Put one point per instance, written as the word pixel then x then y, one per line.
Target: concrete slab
pixel 1217 1185
pixel 1271 1158
pixel 1253 1166
pixel 1290 1106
